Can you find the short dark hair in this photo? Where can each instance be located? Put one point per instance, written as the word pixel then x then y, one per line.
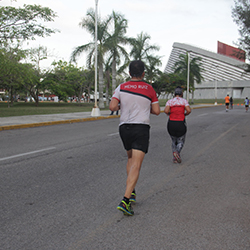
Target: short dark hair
pixel 178 91
pixel 136 68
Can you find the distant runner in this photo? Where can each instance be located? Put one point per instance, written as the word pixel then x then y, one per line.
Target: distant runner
pixel 227 102
pixel 246 103
pixel 177 108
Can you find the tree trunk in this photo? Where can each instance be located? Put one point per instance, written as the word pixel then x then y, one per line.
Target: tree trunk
pixel 9 99
pixel 101 101
pixel 37 99
pixel 11 96
pixel 107 87
pixel 113 76
pixel 107 95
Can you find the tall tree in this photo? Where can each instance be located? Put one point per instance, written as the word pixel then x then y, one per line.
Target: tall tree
pixel 195 69
pixel 107 77
pixel 102 33
pixel 161 83
pixel 152 70
pixel 165 84
pixel 37 55
pixel 115 41
pixel 65 80
pixel 241 16
pixel 11 69
pixel 141 49
pixel 19 24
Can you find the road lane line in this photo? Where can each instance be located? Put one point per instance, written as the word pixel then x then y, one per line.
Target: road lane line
pixel 117 133
pixel 203 114
pixel 28 153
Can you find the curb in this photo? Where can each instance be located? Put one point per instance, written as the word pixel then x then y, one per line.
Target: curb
pixel 40 124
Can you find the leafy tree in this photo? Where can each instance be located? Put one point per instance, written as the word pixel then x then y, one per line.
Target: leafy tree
pixel 166 83
pixel 16 26
pixel 37 55
pixel 115 41
pixel 195 69
pixel 108 77
pixel 89 81
pixel 151 68
pixel 67 80
pixel 56 80
pixel 161 84
pixel 141 49
pixel 102 27
pixel 11 69
pixel 19 24
pixel 241 16
pixel 31 81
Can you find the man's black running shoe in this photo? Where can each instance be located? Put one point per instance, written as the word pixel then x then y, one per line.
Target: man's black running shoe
pixel 125 208
pixel 132 197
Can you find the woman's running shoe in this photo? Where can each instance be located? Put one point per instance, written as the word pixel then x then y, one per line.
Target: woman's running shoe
pixel 177 157
pixel 174 160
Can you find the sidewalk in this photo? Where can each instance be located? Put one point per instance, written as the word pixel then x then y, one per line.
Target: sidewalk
pixel 27 121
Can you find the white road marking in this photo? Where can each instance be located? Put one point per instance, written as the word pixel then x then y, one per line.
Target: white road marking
pixel 28 153
pixel 203 114
pixel 117 133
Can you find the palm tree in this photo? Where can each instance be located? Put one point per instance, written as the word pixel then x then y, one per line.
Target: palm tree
pixel 107 77
pixel 102 34
pixel 115 42
pixel 152 72
pixel 141 48
pixel 195 69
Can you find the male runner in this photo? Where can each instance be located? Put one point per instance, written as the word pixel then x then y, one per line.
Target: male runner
pixel 227 101
pixel 136 100
pixel 246 101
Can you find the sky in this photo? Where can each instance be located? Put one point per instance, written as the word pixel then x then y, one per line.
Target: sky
pixel 199 23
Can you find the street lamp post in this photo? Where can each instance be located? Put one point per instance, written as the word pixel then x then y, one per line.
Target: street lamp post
pixel 188 69
pixel 215 89
pixel 96 110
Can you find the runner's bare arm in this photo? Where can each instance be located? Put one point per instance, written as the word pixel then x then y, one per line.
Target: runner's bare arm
pixel 167 110
pixel 155 109
pixel 114 104
pixel 188 110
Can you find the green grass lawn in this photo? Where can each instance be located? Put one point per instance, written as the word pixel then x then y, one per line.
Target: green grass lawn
pixel 27 108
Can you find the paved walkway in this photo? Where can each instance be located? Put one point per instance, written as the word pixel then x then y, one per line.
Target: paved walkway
pixel 16 122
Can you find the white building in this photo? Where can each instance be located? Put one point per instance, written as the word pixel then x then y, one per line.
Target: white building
pixel 221 74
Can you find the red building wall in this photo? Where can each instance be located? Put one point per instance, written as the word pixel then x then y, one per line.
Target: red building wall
pixel 231 51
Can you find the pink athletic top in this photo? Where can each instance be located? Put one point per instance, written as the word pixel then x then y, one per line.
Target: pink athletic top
pixel 135 99
pixel 177 108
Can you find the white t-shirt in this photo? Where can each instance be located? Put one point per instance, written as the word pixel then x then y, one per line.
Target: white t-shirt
pixel 135 98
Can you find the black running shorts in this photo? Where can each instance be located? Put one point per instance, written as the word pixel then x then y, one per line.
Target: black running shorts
pixel 176 128
pixel 135 136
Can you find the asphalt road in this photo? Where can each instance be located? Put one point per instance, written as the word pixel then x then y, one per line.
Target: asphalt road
pixel 60 185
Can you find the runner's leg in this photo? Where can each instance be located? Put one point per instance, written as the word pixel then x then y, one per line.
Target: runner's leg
pixel 135 158
pixel 180 143
pixel 174 143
